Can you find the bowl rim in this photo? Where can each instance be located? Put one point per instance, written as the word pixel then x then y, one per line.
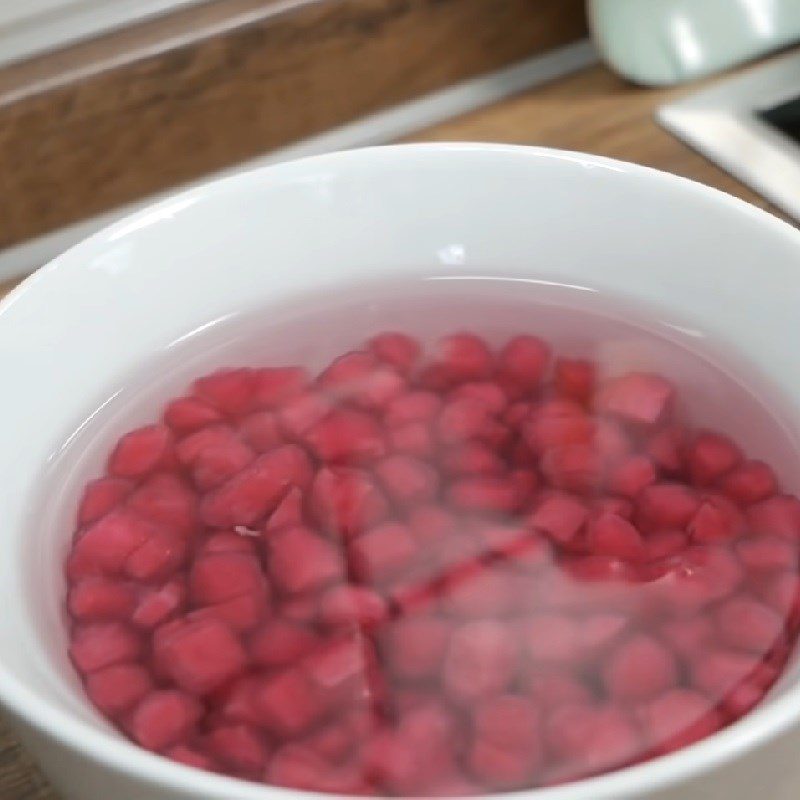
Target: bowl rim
pixel 120 755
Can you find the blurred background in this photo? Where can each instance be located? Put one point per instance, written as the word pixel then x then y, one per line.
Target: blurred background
pixel 106 105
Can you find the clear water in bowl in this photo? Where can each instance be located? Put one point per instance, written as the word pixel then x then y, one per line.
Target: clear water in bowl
pixel 554 542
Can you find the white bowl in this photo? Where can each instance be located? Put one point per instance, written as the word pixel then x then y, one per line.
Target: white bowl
pixel 72 334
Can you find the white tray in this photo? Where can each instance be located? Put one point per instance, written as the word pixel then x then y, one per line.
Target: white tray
pixel 722 123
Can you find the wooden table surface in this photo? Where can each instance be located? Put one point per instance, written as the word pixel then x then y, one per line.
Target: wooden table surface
pixel 592 111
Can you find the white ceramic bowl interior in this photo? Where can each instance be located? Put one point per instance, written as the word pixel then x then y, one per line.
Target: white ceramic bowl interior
pixel 73 335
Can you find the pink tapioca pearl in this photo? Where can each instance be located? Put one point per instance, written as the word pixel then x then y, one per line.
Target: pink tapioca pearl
pixel 462 420
pixel 778 515
pixel 781 590
pixel 477 590
pixel 235 700
pixel 750 482
pixel 347 501
pixel 255 491
pixel 411 439
pixel 631 475
pixel 289 513
pixel 554 686
pixel 101 599
pixel 663 544
pixel 689 636
pixel 718 671
pixel 586 739
pixel 301 561
pixel 463 357
pixel 100 496
pixel 569 728
pixel 273 387
pixel 488 393
pixel 747 624
pixel 380 388
pixel 141 452
pixel 160 603
pixel 199 656
pixel 472 458
pixel 710 456
pixel 240 748
pixel 767 553
pixel 260 431
pixel 287 704
pixel 667 505
pixel 302 412
pixel 611 442
pixel 383 552
pixel 573 467
pixel 716 520
pixel 666 448
pixel 333 742
pixel 188 414
pixel 510 721
pixel 559 516
pixel 219 576
pixel 415 646
pixel 118 688
pixel 407 762
pixel 481 660
pixel 242 614
pixel 598 632
pixel 398 349
pixel 636 397
pixel 102 644
pixel 485 494
pixel 408 480
pixel 104 548
pixel 346 372
pixel 349 604
pixel 168 501
pixel 302 608
pixel 698 576
pixel 213 455
pixel 516 414
pixel 415 406
pixel 501 767
pixel 612 505
pixel 346 436
pixel 519 547
pixel 164 718
pixel 639 669
pixel 244 543
pixel 574 379
pixel 157 558
pixel 611 535
pixel 555 423
pixel 430 524
pixel 299 767
pixel 231 391
pixel 344 670
pixel 280 642
pixel 524 361
pixel 393 763
pixel 679 718
pixel 551 638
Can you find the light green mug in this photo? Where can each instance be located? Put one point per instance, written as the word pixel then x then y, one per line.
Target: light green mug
pixel 662 42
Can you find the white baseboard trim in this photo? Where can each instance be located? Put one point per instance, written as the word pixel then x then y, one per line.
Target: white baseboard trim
pixel 381 128
pixel 39 26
